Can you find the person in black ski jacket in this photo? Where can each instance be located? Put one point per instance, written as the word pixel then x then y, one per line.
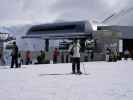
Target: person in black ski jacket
pixel 14 55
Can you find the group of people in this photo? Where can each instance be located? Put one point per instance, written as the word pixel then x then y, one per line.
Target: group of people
pixel 114 55
pixel 75 56
pixel 73 53
pixel 16 58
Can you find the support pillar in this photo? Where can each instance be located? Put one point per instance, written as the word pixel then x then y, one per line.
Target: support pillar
pixel 47 45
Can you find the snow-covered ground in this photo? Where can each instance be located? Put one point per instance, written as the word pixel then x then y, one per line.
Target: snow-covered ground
pixel 102 81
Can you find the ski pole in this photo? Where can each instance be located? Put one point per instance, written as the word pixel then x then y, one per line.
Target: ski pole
pixel 84 69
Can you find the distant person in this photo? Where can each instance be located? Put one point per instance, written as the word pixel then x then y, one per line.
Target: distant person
pixel 131 54
pixel 108 53
pixel 62 57
pixel 20 60
pixel 67 58
pixel 91 55
pixel 115 54
pixel 90 44
pixel 43 57
pixel 28 58
pixel 1 59
pixel 55 55
pixel 126 54
pixel 74 50
pixel 14 55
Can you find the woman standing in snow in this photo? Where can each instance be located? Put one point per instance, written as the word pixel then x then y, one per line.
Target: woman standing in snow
pixel 75 55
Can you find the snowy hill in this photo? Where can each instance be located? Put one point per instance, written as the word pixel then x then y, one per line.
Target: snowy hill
pixel 104 81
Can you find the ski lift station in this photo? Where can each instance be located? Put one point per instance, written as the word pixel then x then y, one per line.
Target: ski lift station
pixel 119 37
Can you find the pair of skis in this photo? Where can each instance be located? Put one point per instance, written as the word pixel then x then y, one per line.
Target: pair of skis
pixel 80 74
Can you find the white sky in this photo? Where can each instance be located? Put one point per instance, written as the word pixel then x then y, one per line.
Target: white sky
pixel 25 11
pixel 41 11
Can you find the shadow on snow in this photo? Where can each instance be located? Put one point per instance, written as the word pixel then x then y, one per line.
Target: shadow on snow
pixel 61 74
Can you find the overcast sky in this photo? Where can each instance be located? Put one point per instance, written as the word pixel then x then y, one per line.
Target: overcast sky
pixel 41 11
pixel 26 11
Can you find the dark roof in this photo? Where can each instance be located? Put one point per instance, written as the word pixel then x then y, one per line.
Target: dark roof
pixel 47 25
pixel 60 28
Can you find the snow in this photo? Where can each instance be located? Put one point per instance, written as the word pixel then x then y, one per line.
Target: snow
pixel 102 81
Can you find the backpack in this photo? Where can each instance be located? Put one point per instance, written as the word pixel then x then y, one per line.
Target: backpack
pixel 71 51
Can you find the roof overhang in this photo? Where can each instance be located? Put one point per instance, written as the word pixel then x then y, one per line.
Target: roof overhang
pixel 75 29
pixel 70 36
pixel 126 31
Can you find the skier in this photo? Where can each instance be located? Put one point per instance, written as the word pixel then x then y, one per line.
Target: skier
pixel 62 57
pixel 108 53
pixel 91 55
pixel 55 55
pixel 19 59
pixel 28 58
pixel 90 44
pixel 14 55
pixel 74 51
pixel 126 54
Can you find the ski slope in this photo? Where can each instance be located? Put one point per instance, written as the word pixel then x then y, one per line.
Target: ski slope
pixel 103 81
